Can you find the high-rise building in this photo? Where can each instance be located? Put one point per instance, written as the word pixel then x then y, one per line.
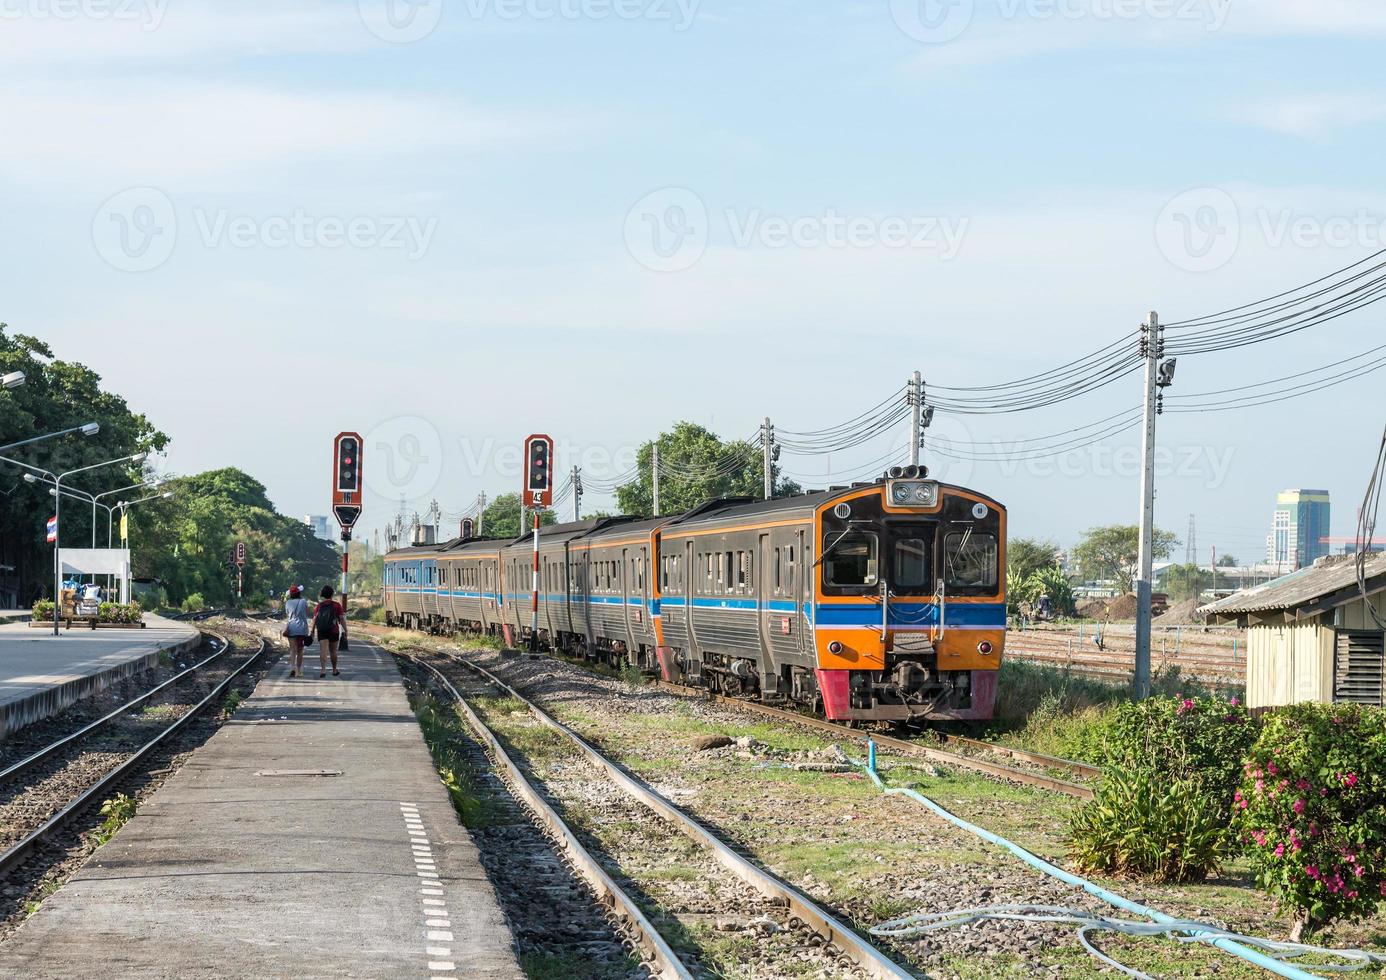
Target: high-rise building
pixel 318 522
pixel 1299 529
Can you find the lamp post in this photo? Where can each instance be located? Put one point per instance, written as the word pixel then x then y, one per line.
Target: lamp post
pixel 12 380
pixel 56 481
pixel 90 429
pixel 96 501
pixel 125 505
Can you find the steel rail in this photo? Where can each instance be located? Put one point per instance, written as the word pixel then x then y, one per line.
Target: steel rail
pixel 1037 758
pixel 19 851
pixel 24 764
pixel 608 892
pixel 866 957
pixel 898 744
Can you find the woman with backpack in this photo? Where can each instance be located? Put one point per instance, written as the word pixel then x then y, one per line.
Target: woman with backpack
pixel 329 623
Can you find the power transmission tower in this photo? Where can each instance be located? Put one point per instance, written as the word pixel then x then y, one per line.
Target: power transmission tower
pixel 767 443
pixel 577 493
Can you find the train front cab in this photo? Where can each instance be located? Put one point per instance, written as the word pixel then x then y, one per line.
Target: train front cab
pixel 909 604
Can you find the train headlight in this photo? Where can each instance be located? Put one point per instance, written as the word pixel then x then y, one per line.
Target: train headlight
pixel 914 493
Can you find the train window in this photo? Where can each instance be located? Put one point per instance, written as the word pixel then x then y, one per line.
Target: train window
pixel 910 568
pixel 850 559
pixel 777 571
pixel 743 570
pixel 970 559
pixel 789 569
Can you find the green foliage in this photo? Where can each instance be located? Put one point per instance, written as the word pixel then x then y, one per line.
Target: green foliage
pixel 1025 556
pixel 1051 582
pixel 1200 739
pixel 43 609
pixel 184 542
pixel 1164 807
pixel 232 702
pixel 112 612
pixel 117 812
pixel 194 603
pixel 1310 810
pixel 377 614
pixel 474 807
pixel 1227 561
pixel 365 570
pixel 696 466
pixel 1141 823
pixel 1186 582
pixel 501 518
pixel 59 395
pixel 1111 552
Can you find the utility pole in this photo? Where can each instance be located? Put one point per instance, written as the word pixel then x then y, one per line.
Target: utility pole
pixel 654 475
pixel 577 493
pixel 767 442
pixel 1157 377
pixel 916 417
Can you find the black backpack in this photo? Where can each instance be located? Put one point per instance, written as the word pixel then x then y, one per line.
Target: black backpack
pixel 325 620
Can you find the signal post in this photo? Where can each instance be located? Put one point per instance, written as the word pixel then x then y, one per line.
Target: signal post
pixel 346 499
pixel 538 494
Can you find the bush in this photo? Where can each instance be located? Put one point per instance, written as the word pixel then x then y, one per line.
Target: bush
pixel 1201 739
pixel 1165 804
pixel 43 609
pixel 1142 823
pixel 1310 809
pixel 111 612
pixel 194 603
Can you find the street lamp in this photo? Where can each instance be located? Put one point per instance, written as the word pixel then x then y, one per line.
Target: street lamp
pixel 90 429
pixel 56 481
pixel 12 380
pixel 95 502
pixel 125 505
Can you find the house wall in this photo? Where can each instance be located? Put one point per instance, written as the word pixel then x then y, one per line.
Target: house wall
pixel 1289 663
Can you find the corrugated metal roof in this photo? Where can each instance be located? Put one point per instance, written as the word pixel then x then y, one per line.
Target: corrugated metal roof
pixel 1301 587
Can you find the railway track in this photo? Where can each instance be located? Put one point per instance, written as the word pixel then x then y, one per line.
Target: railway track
pixel 75 758
pixel 721 874
pixel 1080 769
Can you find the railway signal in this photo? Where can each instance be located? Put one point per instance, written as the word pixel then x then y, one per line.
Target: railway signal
pixel 346 498
pixel 538 494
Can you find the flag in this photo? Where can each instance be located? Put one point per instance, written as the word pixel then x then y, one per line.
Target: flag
pixel 124 527
pixel 52 530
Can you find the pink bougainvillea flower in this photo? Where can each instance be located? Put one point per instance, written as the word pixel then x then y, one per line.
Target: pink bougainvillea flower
pixel 1298 806
pixel 1279 850
pixel 1301 784
pixel 1270 768
pixel 1234 700
pixel 1313 872
pixel 1350 780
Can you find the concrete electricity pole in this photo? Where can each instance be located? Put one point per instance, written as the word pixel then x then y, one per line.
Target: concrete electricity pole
pixel 1158 376
pixel 480 511
pixel 916 417
pixel 654 475
pixel 767 443
pixel 577 493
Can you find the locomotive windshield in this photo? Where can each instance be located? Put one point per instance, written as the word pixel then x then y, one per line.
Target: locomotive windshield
pixel 910 569
pixel 850 559
pixel 970 560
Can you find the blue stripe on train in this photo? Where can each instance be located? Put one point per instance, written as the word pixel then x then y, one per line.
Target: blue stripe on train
pixel 959 614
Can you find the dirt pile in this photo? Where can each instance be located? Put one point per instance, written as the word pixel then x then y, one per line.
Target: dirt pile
pixel 1181 614
pixel 1092 608
pixel 1122 607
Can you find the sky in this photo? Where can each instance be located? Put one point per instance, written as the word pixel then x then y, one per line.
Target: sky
pixel 446 224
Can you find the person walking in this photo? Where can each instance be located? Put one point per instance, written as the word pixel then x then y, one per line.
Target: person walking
pixel 297 629
pixel 329 623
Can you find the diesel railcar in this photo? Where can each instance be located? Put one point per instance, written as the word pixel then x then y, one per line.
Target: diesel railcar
pixel 881 601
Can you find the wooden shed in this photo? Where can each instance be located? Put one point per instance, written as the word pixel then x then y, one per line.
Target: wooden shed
pixel 1310 634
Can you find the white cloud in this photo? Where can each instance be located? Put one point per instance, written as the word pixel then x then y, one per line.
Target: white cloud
pixel 1316 115
pixel 180 133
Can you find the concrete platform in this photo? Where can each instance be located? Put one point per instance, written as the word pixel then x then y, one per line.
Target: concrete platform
pixel 41 674
pixel 310 837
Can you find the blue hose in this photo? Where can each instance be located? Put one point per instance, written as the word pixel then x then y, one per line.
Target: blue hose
pixel 1111 898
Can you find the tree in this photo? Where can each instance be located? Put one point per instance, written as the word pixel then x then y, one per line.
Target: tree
pixel 1112 552
pixel 1025 556
pixel 58 395
pixel 1185 582
pixel 696 466
pixel 1227 561
pixel 501 518
pixel 185 541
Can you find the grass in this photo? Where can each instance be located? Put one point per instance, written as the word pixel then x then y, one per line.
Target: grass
pixel 232 702
pixel 443 734
pixel 118 811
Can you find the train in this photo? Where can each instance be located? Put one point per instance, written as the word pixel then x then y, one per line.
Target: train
pixel 882 601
